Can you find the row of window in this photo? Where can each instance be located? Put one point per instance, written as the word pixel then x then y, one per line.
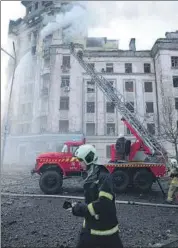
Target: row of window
pixel 91 128
pixel 129 85
pixel 109 68
pixel 128 66
pixel 110 107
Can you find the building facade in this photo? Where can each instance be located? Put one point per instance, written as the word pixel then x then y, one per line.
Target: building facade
pixel 53 94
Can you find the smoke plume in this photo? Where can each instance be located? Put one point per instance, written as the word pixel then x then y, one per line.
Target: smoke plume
pixel 72 19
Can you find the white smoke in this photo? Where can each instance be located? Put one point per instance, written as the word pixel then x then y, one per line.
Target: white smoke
pixel 73 20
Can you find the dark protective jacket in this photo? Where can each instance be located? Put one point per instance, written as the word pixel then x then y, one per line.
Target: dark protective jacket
pixel 99 208
pixel 127 147
pixel 120 145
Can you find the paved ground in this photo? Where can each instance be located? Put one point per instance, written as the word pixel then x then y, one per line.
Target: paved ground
pixel 41 222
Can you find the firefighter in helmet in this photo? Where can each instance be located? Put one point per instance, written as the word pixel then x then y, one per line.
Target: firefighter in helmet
pixel 173 188
pixel 100 227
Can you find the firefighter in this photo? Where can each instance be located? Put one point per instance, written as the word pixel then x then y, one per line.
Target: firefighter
pixel 120 147
pixel 173 188
pixel 100 228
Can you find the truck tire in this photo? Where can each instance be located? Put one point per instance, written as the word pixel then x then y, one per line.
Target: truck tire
pixel 143 180
pixel 51 182
pixel 120 181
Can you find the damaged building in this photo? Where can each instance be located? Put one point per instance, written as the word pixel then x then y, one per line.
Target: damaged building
pixel 54 96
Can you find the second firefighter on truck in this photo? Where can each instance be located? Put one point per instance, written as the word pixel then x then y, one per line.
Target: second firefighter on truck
pixel 173 188
pixel 100 228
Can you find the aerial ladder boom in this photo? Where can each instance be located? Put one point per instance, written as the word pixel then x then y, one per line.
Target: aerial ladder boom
pixel 117 98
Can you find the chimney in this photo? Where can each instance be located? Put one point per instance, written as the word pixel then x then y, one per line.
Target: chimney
pixel 132 46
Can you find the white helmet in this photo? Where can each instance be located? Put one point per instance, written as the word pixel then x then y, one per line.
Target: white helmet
pixel 121 135
pixel 87 154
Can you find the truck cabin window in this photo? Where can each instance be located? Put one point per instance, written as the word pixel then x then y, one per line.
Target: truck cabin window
pixel 65 148
pixel 73 149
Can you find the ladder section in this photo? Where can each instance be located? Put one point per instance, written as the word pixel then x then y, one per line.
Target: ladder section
pixel 118 99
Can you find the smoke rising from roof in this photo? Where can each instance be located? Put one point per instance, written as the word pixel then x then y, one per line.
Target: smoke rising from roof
pixel 72 19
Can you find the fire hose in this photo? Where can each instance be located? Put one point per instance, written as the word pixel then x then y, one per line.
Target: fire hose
pixel 82 198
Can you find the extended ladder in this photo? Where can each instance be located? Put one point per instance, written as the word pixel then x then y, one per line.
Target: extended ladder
pixel 118 99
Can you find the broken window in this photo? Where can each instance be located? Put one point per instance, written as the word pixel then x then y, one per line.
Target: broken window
pixel 90 128
pixel 149 107
pixel 64 126
pixel 90 86
pixel 129 86
pixel 109 67
pixel 108 151
pixel 176 103
pixel 64 103
pixel 66 61
pixel 175 81
pixel 174 61
pixel 110 107
pixel 110 129
pixel 65 81
pixel 151 128
pixel 90 107
pixel 128 67
pixel 147 68
pixel 130 106
pixel 148 86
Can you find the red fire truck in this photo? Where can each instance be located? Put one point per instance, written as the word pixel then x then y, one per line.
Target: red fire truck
pixel 53 167
pixel 146 161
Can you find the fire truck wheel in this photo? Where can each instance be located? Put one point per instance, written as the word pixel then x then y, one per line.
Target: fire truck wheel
pixel 143 180
pixel 120 181
pixel 51 182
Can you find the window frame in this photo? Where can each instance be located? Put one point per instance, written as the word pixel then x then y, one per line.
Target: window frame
pixel 110 105
pixel 66 125
pixel 62 99
pixel 146 66
pixel 176 103
pixel 87 107
pixel 65 78
pixel 146 87
pixel 109 68
pixel 152 108
pixel 175 83
pixel 127 90
pixel 93 126
pixel 67 65
pixel 129 66
pixel 174 62
pixel 112 125
pixel 90 82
